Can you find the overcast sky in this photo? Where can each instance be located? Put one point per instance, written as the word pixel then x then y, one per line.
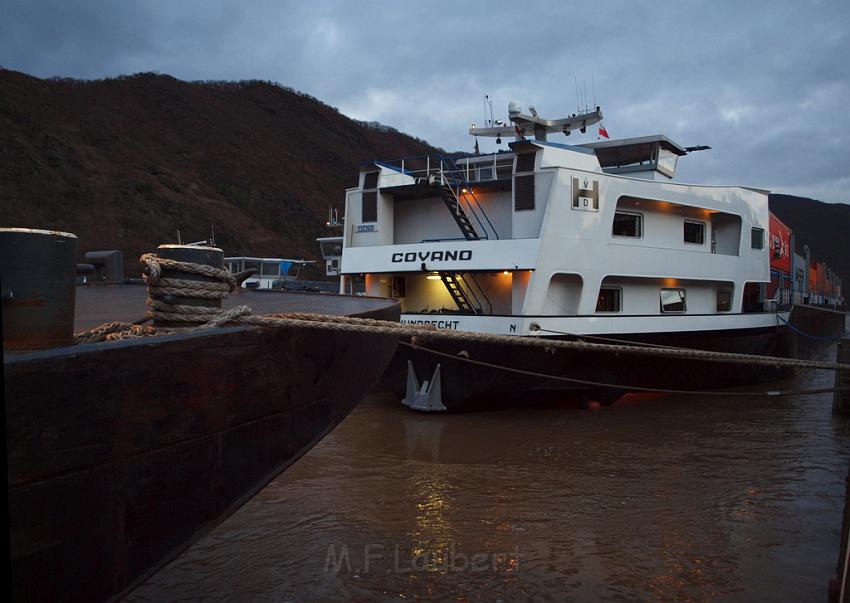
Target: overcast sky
pixel 766 84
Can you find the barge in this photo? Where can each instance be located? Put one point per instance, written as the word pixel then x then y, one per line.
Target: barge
pixel 122 453
pixel 552 240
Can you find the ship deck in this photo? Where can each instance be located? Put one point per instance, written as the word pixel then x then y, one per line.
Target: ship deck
pixel 97 304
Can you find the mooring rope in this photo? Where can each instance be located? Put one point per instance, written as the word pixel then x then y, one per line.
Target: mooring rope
pixel 201 317
pixel 631 388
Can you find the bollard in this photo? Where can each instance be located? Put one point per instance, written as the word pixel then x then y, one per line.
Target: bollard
pixel 841 395
pixel 38 276
pixel 196 254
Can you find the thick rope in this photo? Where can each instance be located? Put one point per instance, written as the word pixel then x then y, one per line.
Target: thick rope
pixel 161 289
pixel 203 317
pixel 619 386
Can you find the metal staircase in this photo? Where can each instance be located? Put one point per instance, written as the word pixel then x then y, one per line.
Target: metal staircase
pixel 462 203
pixel 447 192
pixel 455 289
pixel 465 298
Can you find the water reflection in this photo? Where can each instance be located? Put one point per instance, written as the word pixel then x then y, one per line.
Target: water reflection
pixel 656 498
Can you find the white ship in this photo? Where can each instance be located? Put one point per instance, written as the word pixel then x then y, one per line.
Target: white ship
pixel 559 240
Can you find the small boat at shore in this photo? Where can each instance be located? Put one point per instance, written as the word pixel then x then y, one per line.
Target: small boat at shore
pixel 589 241
pixel 122 453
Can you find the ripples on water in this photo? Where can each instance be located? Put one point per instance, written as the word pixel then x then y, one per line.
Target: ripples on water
pixel 672 498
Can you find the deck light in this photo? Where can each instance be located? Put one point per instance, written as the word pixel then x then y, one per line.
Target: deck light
pixel 463 190
pixel 434 276
pixel 506 273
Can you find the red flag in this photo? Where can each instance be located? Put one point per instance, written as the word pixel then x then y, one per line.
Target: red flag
pixel 518 132
pixel 603 131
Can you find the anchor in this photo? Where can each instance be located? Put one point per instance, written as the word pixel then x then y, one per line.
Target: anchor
pixel 424 396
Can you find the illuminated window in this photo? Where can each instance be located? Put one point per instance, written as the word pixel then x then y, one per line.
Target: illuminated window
pixel 694 232
pixel 627 225
pixel 609 299
pixel 758 238
pixel 673 300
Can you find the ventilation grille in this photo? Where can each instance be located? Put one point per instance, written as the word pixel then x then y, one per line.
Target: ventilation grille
pixel 525 162
pixel 524 192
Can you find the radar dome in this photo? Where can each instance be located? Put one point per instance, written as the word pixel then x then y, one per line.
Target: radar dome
pixel 514 108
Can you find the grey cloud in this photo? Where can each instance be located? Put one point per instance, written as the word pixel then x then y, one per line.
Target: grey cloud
pixel 763 84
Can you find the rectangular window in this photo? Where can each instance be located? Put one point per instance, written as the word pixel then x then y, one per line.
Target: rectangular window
pixel 609 299
pixel 370 206
pixel 627 225
pixel 694 232
pixel 673 300
pixel 724 300
pixel 758 238
pixel 271 269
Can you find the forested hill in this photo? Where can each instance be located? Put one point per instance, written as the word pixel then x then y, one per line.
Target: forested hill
pixel 824 227
pixel 127 162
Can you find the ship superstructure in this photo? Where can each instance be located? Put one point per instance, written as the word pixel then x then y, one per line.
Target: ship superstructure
pixel 592 238
pixel 558 240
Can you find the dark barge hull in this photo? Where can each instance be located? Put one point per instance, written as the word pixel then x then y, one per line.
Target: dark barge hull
pixel 121 454
pixel 466 386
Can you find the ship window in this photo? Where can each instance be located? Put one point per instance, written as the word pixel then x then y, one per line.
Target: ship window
pixel 673 300
pixel 485 173
pixel 370 207
pixel 255 264
pixel 758 238
pixel 271 269
pixel 667 162
pixel 609 299
pixel 370 180
pixel 724 300
pixel 627 225
pixel 694 232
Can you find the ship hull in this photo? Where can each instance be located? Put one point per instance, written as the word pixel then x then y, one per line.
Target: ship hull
pixel 121 454
pixel 467 386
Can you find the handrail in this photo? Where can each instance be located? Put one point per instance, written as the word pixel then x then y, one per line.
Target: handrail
pixel 464 183
pixel 481 291
pixel 451 175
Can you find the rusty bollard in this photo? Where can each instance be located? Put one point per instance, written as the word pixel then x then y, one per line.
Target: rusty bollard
pixel 38 276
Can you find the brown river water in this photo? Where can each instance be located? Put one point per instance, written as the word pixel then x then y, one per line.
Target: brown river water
pixel 657 498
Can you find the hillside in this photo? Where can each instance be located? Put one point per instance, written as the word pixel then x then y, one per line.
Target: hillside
pixel 824 227
pixel 125 163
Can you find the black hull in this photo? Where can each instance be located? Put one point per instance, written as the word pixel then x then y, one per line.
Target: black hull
pixel 473 387
pixel 121 454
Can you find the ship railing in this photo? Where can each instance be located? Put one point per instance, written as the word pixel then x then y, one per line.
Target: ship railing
pixel 440 169
pixel 480 298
